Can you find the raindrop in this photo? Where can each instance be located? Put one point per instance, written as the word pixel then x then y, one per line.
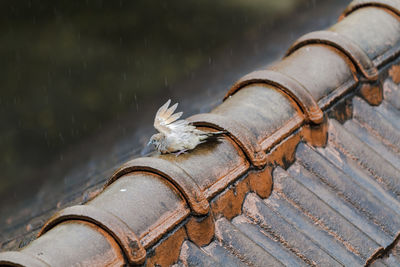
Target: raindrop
pixel 314 3
pixel 136 102
pixel 61 137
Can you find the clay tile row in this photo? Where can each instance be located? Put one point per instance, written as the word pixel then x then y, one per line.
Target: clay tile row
pixel 151 205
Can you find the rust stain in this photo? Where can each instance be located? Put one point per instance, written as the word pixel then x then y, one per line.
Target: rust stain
pixel 316 135
pixel 342 111
pixel 394 73
pixel 200 230
pixel 229 202
pixel 372 93
pixel 283 154
pixel 261 182
pixel 167 252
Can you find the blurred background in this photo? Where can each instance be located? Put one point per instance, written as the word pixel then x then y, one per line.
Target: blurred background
pixel 80 82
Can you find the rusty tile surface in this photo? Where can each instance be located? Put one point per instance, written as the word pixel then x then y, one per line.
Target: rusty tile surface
pixel 281 189
pixel 337 205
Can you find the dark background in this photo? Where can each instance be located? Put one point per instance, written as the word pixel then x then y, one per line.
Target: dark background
pixel 70 67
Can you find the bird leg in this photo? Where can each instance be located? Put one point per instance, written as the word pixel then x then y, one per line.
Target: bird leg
pixel 180 152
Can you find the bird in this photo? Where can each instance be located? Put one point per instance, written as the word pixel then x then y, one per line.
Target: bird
pixel 177 135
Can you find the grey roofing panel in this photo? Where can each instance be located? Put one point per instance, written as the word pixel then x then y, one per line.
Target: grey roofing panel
pixel 337 205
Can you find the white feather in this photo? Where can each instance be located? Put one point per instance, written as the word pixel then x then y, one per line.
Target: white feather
pixel 176 135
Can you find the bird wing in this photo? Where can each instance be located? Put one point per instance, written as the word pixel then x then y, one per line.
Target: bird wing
pixel 167 122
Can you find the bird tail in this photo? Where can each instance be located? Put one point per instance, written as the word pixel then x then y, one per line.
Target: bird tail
pixel 216 133
pixel 214 136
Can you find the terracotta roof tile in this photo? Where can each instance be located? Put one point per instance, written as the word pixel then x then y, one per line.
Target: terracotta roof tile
pixel 307 174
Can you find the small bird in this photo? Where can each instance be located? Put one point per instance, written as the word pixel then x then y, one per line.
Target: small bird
pixel 177 136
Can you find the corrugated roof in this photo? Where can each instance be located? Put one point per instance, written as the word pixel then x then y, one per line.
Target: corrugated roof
pixel 307 174
pixel 337 205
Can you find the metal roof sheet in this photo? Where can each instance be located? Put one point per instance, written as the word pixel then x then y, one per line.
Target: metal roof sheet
pixel 337 205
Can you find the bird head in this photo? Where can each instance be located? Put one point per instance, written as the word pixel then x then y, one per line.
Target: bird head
pixel 155 139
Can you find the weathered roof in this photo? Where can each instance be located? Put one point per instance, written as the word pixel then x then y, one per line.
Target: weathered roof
pixel 307 174
pixel 337 205
pixel 84 169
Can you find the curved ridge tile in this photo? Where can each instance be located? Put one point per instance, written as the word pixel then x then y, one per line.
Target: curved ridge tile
pixel 288 85
pixel 392 5
pixel 378 25
pixel 354 52
pixel 238 132
pixel 114 226
pixel 19 259
pixel 177 176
